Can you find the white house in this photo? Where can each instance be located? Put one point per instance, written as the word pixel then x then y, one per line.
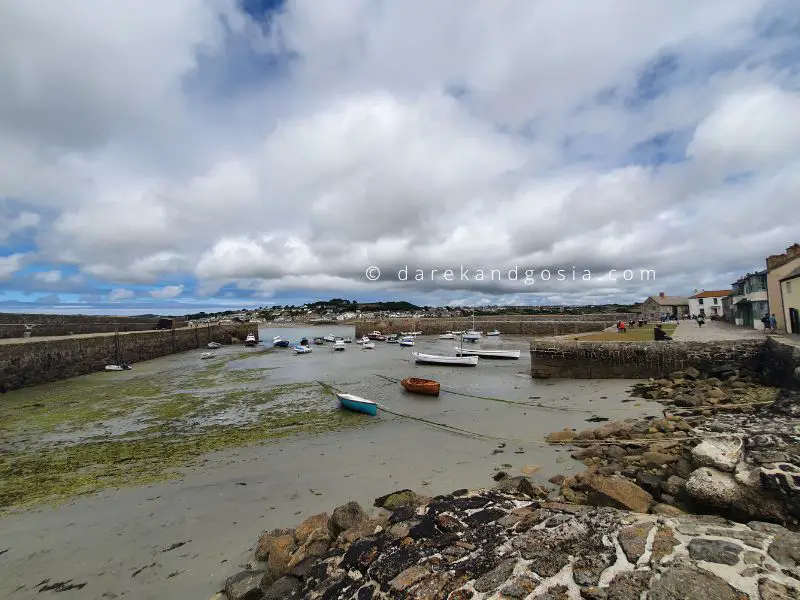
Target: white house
pixel 708 303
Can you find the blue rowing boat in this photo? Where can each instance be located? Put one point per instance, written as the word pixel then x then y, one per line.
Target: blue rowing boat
pixel 357 404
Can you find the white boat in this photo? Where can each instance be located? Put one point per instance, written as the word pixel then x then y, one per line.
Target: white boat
pixel 433 359
pixel 250 340
pixel 118 367
pixel 302 349
pixel 205 355
pixel 329 338
pixel 513 354
pixel 392 340
pixel 338 345
pixel 471 336
pixel 369 346
pixel 348 340
pixel 406 341
pixel 493 332
pixel 364 340
pixel 214 345
pixel 416 333
pixel 447 336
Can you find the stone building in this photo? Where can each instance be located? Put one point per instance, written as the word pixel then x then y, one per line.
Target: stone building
pixel 708 303
pixel 790 298
pixel 780 268
pixel 672 306
pixel 749 300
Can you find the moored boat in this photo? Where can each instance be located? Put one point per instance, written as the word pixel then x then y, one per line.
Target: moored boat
pixel 329 338
pixel 304 342
pixel 319 341
pixel 493 333
pixel 205 355
pixel 280 343
pixel 392 339
pixel 357 404
pixel 472 335
pixel 214 345
pixel 348 340
pixel 250 340
pixel 447 336
pixel 417 385
pixel 376 336
pixel 339 345
pixel 364 340
pixel 434 359
pixel 482 353
pixel 406 341
pixel 302 349
pixel 369 346
pixel 122 367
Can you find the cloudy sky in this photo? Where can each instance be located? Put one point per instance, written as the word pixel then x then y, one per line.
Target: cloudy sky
pixel 182 155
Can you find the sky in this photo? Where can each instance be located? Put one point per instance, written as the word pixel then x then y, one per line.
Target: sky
pixel 213 154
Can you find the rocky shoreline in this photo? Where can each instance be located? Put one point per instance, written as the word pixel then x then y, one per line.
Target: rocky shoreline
pixel 702 503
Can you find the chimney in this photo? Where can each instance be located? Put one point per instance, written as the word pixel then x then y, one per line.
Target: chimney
pixel 660 294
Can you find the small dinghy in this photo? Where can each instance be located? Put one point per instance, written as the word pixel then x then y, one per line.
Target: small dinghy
pixel 122 367
pixel 369 345
pixel 302 349
pixel 339 345
pixel 357 404
pixel 493 333
pixel 206 355
pixel 509 354
pixel 214 345
pixel 406 341
pixel 364 340
pixel 447 336
pixel 433 359
pixel 280 343
pixel 417 385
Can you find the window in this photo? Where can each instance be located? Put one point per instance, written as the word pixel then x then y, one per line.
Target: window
pixel 716 301
pixel 700 301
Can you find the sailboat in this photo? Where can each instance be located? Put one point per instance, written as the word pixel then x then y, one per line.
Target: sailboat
pixel 472 335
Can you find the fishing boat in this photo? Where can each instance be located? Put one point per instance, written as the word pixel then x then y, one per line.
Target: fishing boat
pixel 376 336
pixel 206 355
pixel 214 345
pixel 512 354
pixel 357 404
pixel 493 333
pixel 417 385
pixel 369 346
pixel 364 340
pixel 250 340
pixel 434 359
pixel 302 349
pixel 392 339
pixel 339 345
pixel 280 343
pixel 329 338
pixel 406 341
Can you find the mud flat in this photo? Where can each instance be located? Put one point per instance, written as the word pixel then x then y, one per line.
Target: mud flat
pixel 161 475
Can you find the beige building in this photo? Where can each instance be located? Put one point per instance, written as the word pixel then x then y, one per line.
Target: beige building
pixel 790 298
pixel 672 306
pixel 780 270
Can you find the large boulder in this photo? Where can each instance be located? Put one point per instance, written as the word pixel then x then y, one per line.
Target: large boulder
pixel 309 526
pixel 345 517
pixel 712 487
pixel 244 586
pixel 617 492
pixel 280 552
pixel 397 499
pixel 721 453
pixel 265 541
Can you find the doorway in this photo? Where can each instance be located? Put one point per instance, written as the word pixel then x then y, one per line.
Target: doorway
pixel 794 320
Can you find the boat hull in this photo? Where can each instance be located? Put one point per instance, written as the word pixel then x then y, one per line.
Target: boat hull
pixel 455 361
pixel 496 354
pixel 416 385
pixel 357 404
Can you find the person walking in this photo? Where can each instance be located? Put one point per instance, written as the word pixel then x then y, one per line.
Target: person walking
pixel 773 324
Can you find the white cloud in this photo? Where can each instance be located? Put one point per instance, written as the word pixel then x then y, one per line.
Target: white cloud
pixel 48 276
pixel 168 291
pixel 11 264
pixel 120 294
pixel 641 140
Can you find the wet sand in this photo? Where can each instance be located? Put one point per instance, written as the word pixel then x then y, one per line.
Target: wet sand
pixel 180 539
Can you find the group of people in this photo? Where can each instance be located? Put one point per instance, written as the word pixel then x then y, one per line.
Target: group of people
pixel 770 323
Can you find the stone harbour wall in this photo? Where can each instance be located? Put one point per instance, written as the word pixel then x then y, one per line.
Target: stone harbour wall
pixel 13 325
pixel 638 360
pixel 31 361
pixel 780 363
pixel 550 326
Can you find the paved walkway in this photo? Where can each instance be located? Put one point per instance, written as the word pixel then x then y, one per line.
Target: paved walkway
pixel 713 331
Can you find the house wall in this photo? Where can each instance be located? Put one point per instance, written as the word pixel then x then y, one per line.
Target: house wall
pixel 708 305
pixel 781 267
pixel 790 295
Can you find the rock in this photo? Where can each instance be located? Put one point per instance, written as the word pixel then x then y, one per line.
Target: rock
pixel 722 454
pixel 633 540
pixel 712 487
pixel 629 585
pixel 529 470
pixel 522 485
pixel 658 459
pixel 673 485
pixel 650 483
pixel 716 551
pixel 244 586
pixel 449 524
pixel 557 592
pixel 496 577
pixel 283 588
pixel 666 510
pixel 397 499
pixel 682 583
pixel 567 435
pixel 311 525
pixel 404 513
pixel 519 587
pixel 664 543
pixel 785 548
pixel 617 492
pixel 557 479
pixel 772 590
pixel 715 392
pixel 362 530
pixel 280 550
pixel 691 373
pixel 409 577
pixel 263 545
pixel 345 517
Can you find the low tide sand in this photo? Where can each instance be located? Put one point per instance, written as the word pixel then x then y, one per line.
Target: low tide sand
pixel 181 538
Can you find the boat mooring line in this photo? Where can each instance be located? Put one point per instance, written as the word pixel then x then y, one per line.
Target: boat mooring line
pixel 393 380
pixel 573 442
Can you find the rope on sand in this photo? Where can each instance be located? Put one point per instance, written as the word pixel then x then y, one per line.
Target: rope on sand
pixel 572 442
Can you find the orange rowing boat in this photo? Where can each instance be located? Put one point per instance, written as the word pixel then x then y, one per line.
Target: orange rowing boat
pixel 421 386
